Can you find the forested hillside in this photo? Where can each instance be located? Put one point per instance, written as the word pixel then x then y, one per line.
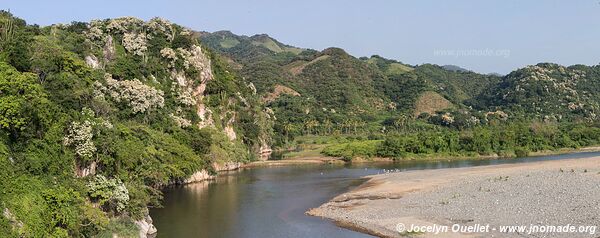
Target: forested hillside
pixel 338 92
pixel 95 118
pixel 400 106
pixel 547 91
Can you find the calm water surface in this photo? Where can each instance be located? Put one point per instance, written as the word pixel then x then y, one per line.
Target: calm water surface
pixel 270 202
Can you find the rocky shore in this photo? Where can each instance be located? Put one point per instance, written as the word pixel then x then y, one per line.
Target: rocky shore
pixel 549 193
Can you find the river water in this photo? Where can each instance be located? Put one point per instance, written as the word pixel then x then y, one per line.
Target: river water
pixel 270 202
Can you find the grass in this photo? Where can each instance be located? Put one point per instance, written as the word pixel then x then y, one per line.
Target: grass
pixel 229 43
pixel 354 149
pixel 396 68
pixel 313 145
pixel 305 152
pixel 430 102
pixel 269 44
pixel 297 67
pixel 393 68
pixel 294 50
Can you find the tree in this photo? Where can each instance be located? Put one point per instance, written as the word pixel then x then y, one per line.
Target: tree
pixel 15 37
pixel 49 57
pixel 23 102
pixel 287 128
pixel 328 125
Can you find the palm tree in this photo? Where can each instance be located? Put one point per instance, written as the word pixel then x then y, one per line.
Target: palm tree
pixel 401 122
pixel 310 125
pixel 287 128
pixel 346 125
pixel 355 125
pixel 327 124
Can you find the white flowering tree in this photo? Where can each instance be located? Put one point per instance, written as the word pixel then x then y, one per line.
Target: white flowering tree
pixel 109 193
pixel 135 94
pixel 81 133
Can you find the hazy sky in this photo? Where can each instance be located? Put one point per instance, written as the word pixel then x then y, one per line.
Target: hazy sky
pixel 485 36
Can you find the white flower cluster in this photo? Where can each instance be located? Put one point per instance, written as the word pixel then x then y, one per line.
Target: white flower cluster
pixel 184 95
pixel 170 54
pixel 109 192
pixel 193 57
pixel 133 30
pixel 160 25
pixel 242 99
pixel 185 32
pixel 181 122
pixel 95 33
pixel 137 95
pixel 135 43
pixel 124 24
pixel 80 136
pixel 81 133
pixel 190 58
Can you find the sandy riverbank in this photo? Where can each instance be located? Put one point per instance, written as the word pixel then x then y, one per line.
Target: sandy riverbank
pixel 557 192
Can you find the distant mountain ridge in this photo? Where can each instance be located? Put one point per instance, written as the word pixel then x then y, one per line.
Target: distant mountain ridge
pixel 268 62
pixel 454 68
pixel 375 85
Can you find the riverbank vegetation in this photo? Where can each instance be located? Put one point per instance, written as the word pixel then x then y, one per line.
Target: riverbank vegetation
pixel 504 140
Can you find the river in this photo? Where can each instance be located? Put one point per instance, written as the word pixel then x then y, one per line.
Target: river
pixel 271 201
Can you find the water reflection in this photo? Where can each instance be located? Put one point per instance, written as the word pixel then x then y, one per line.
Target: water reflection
pixel 270 202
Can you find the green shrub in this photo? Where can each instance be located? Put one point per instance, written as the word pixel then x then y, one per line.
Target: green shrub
pixel 350 150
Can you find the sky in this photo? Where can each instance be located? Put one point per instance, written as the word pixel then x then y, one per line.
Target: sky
pixel 484 36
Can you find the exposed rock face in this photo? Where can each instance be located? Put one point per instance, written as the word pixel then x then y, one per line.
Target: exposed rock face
pixel 85 170
pixel 264 151
pixel 202 63
pixel 205 115
pixel 146 227
pixel 179 77
pixel 199 176
pixel 227 166
pixel 109 49
pixel 229 131
pixel 92 61
pixel 12 219
pixel 203 175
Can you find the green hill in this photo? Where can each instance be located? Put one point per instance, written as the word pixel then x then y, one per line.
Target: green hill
pixel 340 89
pixel 96 118
pixel 546 91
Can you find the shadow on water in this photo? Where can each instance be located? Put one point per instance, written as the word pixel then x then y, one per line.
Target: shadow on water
pixel 270 202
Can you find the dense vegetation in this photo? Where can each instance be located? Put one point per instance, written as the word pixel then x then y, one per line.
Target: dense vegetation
pixel 95 118
pixel 506 140
pixel 409 110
